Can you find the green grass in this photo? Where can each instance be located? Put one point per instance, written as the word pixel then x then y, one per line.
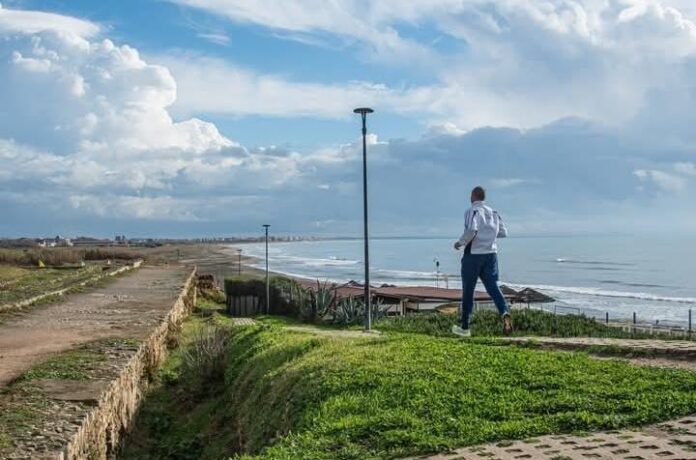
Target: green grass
pixel 409 394
pixel 297 395
pixel 27 283
pixel 487 323
pixel 20 419
pixel 9 273
pixel 70 365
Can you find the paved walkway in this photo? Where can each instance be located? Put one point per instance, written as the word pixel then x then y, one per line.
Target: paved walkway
pixel 676 348
pixel 668 441
pixel 128 307
pixel 243 321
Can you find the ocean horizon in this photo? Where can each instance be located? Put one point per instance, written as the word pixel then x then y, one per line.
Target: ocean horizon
pixel 594 275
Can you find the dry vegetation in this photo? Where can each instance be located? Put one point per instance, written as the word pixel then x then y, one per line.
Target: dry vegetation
pixel 64 256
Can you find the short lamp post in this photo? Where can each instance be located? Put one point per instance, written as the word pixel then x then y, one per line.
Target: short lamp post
pixel 363 112
pixel 268 285
pixel 239 262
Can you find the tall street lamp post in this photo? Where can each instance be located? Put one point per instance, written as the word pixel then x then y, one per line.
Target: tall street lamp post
pixel 239 262
pixel 363 111
pixel 268 286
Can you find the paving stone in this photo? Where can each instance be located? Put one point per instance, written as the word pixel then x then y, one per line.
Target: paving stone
pixel 675 440
pixel 243 321
pixel 686 349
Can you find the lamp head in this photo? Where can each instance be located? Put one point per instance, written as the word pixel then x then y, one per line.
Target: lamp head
pixel 363 110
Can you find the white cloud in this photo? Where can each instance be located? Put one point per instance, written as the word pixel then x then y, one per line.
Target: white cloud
pixel 209 85
pixel 511 182
pixel 90 121
pixel 31 22
pixel 688 169
pixel 349 20
pixel 215 37
pixel 594 59
pixel 665 181
pixel 86 126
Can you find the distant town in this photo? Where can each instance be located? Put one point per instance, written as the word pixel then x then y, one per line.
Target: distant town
pixel 121 240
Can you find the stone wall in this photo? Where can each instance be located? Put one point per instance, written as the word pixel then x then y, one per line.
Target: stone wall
pixel 101 430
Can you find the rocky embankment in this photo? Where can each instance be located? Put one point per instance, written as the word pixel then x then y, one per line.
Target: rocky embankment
pixel 79 403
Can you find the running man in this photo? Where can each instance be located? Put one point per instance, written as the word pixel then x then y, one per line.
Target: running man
pixel 482 227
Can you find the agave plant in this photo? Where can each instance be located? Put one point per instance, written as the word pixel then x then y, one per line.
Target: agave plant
pixel 350 310
pixel 379 310
pixel 320 302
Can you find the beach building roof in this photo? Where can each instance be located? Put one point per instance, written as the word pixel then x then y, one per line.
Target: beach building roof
pixel 508 291
pixel 398 293
pixel 530 295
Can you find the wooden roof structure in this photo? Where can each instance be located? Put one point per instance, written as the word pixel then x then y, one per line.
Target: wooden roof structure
pixel 529 295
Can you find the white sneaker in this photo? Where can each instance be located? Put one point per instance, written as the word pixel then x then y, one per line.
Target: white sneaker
pixel 458 331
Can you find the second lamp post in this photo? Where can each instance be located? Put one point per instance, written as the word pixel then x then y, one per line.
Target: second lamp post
pixel 268 284
pixel 363 111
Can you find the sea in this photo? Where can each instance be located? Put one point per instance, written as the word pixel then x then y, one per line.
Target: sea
pixel 595 275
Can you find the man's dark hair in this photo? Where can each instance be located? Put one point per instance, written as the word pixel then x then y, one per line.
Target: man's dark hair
pixel 478 193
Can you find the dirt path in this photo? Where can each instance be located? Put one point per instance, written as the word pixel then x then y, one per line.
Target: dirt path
pixel 128 308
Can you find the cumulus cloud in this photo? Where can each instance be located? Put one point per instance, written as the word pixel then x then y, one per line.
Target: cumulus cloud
pixel 88 121
pixel 517 63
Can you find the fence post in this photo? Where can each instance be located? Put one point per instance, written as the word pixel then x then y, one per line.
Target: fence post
pixel 634 322
pixel 607 317
pixel 690 329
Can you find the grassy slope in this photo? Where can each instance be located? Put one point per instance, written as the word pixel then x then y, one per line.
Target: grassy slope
pixel 390 397
pixel 410 394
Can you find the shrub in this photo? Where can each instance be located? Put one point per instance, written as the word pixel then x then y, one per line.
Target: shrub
pixel 350 310
pixel 526 322
pixel 205 357
pixel 318 303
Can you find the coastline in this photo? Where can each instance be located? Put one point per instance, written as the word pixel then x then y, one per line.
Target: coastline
pixel 337 263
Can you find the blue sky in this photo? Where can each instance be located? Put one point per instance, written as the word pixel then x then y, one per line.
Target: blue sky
pixel 209 117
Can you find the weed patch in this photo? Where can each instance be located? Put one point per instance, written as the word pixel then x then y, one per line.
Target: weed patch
pixel 526 323
pixel 72 365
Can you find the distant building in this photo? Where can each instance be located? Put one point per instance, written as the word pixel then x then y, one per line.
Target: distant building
pixel 59 241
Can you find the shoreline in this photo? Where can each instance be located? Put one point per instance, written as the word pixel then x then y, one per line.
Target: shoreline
pixel 674 318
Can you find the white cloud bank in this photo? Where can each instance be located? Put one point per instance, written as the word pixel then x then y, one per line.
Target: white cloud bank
pixel 86 130
pixel 87 122
pixel 520 63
